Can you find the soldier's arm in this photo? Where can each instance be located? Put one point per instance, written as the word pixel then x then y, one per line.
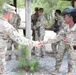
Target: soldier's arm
pixel 37 25
pixel 60 21
pixel 41 21
pixel 14 35
pixel 57 39
pixel 18 20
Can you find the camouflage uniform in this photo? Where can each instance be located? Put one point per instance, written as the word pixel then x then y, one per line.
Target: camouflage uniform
pixel 69 32
pixel 15 21
pixel 65 47
pixel 40 33
pixel 72 49
pixel 60 26
pixel 6 31
pixel 34 19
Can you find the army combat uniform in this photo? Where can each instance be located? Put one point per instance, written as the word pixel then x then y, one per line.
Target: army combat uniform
pixel 15 21
pixel 69 47
pixel 60 25
pixel 6 31
pixel 34 19
pixel 40 33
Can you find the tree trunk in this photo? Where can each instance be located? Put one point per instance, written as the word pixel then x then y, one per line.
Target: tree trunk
pixel 28 24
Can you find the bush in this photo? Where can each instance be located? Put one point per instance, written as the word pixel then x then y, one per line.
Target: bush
pixel 33 65
pixel 29 65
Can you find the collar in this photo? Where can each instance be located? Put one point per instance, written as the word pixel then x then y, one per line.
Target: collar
pixel 73 28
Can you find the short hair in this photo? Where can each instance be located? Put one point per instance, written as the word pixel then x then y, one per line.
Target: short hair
pixel 73 14
pixel 36 8
pixel 41 9
pixel 58 11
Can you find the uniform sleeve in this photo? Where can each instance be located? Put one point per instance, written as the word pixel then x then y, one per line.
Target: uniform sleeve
pixel 41 21
pixel 59 37
pixel 14 35
pixel 60 21
pixel 18 20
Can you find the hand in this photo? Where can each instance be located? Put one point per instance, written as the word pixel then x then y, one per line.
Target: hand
pixel 39 44
pixel 65 40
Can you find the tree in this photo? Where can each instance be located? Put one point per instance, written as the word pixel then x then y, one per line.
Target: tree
pixel 49 6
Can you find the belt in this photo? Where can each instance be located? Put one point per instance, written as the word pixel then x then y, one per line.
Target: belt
pixel 74 47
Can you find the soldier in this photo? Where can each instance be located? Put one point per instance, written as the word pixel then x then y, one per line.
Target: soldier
pixel 34 19
pixel 70 19
pixel 58 21
pixel 40 32
pixel 67 35
pixel 58 25
pixel 15 21
pixel 7 30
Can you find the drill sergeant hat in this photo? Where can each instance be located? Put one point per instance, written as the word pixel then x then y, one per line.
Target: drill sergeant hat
pixel 68 10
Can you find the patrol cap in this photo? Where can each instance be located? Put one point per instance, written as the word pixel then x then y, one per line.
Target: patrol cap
pixel 9 8
pixel 68 10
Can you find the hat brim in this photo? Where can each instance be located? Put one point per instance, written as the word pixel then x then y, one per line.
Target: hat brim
pixel 68 11
pixel 13 12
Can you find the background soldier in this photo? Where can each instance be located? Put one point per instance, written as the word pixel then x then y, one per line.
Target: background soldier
pixel 6 31
pixel 40 32
pixel 58 25
pixel 34 19
pixel 15 22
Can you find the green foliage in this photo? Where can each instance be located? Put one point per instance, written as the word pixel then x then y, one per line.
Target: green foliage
pixel 34 65
pixel 24 62
pixel 1 4
pixel 49 7
pixel 20 3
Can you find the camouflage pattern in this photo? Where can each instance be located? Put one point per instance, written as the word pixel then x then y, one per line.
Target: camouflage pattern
pixel 60 22
pixel 34 19
pixel 61 26
pixel 15 22
pixel 61 50
pixel 9 8
pixel 6 31
pixel 40 33
pixel 66 32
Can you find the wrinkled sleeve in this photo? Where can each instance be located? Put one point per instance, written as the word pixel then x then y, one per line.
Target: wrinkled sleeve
pixel 60 21
pixel 14 35
pixel 41 21
pixel 58 37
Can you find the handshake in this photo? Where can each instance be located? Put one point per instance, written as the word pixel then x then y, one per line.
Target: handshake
pixel 41 43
